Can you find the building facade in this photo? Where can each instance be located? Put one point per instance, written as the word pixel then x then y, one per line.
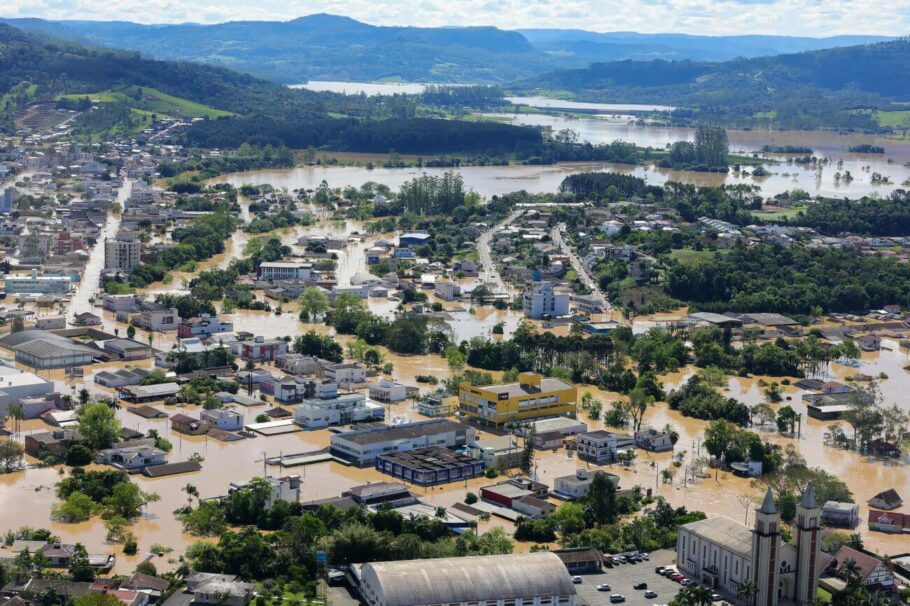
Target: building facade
pixel 722 554
pixel 542 300
pixel 532 397
pixel 122 254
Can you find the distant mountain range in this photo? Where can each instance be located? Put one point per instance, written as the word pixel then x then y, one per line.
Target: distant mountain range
pixel 328 47
pixel 830 87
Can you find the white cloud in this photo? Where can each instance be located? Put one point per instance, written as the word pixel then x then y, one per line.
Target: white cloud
pixel 713 17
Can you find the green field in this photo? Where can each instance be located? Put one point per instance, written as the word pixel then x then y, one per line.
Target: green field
pixel 688 256
pixel 779 214
pixel 896 119
pixel 153 101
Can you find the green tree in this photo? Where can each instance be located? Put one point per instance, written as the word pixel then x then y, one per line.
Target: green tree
pixel 127 500
pixel 746 591
pixel 601 499
pixel 98 425
pixel 786 419
pixel 313 304
pixel 10 456
pixel 77 507
pixel 455 359
pixel 130 331
pixel 81 569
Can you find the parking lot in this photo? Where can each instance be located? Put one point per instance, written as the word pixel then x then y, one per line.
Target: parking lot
pixel 622 577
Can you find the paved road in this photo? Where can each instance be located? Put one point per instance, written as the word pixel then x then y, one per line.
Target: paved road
pixel 577 265
pixel 488 271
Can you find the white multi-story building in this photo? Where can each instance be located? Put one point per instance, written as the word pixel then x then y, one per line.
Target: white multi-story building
pixel 341 410
pixel 542 300
pixel 223 418
pixel 362 446
pixel 346 374
pixel 122 253
pixel 279 270
pixel 283 489
pixel 387 391
pixel 39 285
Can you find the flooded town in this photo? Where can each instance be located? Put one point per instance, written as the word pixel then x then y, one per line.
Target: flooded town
pixel 272 375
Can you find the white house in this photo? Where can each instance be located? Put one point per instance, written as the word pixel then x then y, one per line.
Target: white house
pixel 346 374
pixel 542 300
pixel 277 270
pixel 387 391
pixel 223 418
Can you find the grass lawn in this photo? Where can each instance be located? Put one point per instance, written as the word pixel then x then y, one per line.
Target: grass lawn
pixel 688 256
pixel 895 119
pixel 787 213
pixel 153 101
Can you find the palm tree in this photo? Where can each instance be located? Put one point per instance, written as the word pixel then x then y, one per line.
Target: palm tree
pixel 16 412
pixel 746 591
pixel 849 570
pixel 701 595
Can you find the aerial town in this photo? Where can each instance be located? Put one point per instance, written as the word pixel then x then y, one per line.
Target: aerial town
pixel 235 375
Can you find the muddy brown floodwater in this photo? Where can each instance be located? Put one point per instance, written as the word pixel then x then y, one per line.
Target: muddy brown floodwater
pixel 26 498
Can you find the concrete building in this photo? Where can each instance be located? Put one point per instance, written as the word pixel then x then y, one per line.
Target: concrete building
pixel 362 446
pixel 285 489
pixel 447 291
pixel 345 374
pixel 128 349
pixel 501 452
pixel 54 443
pixel 529 579
pixel 157 318
pixel 722 554
pixel 122 254
pixel 39 285
pixel 653 440
pixel 601 446
pixel 223 418
pixel 543 301
pixel 574 487
pixel 845 515
pixel 47 350
pixel 341 410
pixel 387 391
pixel 263 350
pixel 277 270
pixel 531 397
pixel 874 574
pixel 132 458
pixel 17 385
pixel 203 326
pixel 429 466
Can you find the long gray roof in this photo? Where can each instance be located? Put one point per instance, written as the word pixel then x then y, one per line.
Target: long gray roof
pixel 468 579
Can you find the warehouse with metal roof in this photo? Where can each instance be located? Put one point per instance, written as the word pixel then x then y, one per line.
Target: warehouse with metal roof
pixel 540 577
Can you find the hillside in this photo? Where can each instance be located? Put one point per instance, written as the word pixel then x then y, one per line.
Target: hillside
pixel 593 47
pixel 322 47
pixel 795 90
pixel 238 107
pixel 329 47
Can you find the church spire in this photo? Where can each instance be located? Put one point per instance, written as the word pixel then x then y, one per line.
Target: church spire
pixel 808 500
pixel 767 505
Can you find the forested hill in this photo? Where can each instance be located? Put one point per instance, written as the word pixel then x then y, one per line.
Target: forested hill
pixel 322 47
pixel 58 67
pixel 810 83
pixel 330 47
pixel 35 68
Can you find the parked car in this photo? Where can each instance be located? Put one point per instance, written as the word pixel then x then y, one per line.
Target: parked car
pixel 650 594
pixel 660 570
pixel 640 585
pixel 604 587
pixel 716 597
pixel 616 598
pixel 576 579
pixel 686 582
pixel 645 557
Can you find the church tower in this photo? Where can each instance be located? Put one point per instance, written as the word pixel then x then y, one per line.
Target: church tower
pixel 808 516
pixel 766 552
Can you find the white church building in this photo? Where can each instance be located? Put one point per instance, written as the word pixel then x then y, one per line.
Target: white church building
pixel 722 554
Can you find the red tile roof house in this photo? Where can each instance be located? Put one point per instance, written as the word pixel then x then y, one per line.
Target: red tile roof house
pixel 874 574
pixel 188 425
pixel 889 521
pixel 887 500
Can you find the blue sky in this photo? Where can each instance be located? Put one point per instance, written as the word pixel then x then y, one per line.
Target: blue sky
pixel 783 17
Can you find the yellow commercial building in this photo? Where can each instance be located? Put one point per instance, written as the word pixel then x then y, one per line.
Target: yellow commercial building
pixel 532 397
